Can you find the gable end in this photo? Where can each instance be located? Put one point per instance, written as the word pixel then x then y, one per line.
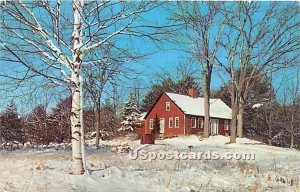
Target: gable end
pixel 157 102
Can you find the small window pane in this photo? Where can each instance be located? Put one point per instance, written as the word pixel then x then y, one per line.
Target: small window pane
pixel 151 123
pixel 226 125
pixel 171 122
pixel 176 122
pixel 200 123
pixel 194 123
pixel 167 106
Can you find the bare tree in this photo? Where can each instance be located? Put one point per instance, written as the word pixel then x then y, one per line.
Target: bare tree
pixel 262 45
pixel 291 105
pixel 270 114
pixel 202 31
pixel 52 45
pixel 109 66
pixel 177 80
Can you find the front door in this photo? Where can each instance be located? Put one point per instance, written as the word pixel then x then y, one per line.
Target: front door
pixel 162 125
pixel 214 127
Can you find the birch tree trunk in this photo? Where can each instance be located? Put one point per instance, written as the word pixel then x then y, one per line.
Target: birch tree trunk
pixel 26 28
pixel 77 167
pixel 82 126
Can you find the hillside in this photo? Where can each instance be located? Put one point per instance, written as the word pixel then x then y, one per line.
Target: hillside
pixel 272 169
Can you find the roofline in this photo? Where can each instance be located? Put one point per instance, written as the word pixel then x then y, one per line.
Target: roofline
pixel 175 103
pixel 164 93
pixel 209 117
pixel 153 105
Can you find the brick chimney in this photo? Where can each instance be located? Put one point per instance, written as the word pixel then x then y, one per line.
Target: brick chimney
pixel 192 92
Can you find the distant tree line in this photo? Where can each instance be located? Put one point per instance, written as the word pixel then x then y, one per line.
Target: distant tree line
pixel 272 120
pixel 267 118
pixel 42 127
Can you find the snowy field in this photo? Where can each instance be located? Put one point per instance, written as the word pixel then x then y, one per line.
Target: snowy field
pixel 274 168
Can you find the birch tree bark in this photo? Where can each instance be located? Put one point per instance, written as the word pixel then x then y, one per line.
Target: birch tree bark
pixel 48 46
pixel 76 68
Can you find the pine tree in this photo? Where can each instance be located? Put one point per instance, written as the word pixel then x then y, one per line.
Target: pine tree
pixel 130 115
pixel 11 128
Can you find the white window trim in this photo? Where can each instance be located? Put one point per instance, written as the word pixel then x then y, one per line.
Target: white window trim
pixel 176 126
pixel 226 125
pixel 168 106
pixel 194 121
pixel 200 126
pixel 151 123
pixel 171 119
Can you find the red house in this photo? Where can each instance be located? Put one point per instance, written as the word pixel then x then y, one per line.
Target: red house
pixel 184 115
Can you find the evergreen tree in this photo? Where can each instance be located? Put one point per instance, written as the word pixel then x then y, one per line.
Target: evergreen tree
pixel 130 115
pixel 11 128
pixel 258 107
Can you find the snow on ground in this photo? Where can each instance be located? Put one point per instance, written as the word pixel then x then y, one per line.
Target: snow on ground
pixel 274 168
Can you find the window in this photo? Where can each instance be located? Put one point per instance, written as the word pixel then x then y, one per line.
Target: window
pixel 171 122
pixel 194 122
pixel 226 125
pixel 167 106
pixel 176 122
pixel 151 123
pixel 138 125
pixel 200 123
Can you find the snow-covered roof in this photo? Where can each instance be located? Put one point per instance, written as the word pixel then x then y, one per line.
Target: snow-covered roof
pixel 142 116
pixel 195 106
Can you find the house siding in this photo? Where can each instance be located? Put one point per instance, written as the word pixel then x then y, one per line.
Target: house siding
pixel 185 125
pixel 222 130
pixel 191 130
pixel 160 110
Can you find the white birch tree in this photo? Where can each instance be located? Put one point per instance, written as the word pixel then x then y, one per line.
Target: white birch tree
pixel 49 41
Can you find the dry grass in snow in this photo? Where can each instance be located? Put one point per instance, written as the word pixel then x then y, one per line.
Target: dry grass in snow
pixel 274 169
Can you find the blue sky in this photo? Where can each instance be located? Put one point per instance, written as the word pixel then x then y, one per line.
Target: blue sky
pixel 167 58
